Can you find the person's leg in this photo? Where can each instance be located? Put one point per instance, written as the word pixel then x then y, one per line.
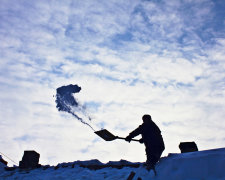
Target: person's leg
pixel 151 159
pixel 153 156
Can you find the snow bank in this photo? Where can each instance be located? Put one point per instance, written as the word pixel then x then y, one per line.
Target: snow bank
pixel 207 165
pixel 203 165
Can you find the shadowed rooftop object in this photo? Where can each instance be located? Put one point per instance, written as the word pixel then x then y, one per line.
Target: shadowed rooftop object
pixel 188 147
pixel 30 160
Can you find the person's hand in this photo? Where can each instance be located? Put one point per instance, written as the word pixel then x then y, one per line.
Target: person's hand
pixel 128 138
pixel 141 141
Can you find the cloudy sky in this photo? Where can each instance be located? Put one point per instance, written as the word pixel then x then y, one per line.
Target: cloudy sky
pixel 130 57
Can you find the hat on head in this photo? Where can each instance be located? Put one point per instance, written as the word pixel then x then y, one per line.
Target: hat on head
pixel 146 117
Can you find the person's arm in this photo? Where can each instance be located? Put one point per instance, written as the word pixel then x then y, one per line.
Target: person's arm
pixel 134 133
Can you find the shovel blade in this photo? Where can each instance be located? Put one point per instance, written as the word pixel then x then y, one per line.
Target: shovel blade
pixel 106 135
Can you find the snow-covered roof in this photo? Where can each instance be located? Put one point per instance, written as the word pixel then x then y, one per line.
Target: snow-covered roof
pixel 207 165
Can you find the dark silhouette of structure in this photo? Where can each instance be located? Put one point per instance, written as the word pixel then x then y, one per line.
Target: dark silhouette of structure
pixel 30 160
pixel 188 147
pixel 152 138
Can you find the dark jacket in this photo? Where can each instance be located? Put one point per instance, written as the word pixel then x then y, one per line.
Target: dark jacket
pixel 151 135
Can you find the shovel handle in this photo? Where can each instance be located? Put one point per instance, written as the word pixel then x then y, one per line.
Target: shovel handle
pixel 117 137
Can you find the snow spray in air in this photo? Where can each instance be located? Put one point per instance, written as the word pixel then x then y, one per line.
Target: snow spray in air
pixel 65 101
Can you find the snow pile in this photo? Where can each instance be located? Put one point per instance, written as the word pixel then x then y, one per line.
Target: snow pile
pixel 207 165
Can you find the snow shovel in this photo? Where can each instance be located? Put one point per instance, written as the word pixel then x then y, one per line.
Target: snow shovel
pixel 108 136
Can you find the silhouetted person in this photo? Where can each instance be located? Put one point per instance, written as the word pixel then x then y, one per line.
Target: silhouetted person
pixel 152 138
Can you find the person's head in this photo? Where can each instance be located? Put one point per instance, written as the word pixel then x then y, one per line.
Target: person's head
pixel 146 118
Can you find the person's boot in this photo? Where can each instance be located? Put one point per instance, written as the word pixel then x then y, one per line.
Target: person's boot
pixel 150 166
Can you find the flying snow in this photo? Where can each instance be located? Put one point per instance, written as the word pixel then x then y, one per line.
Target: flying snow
pixel 65 101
